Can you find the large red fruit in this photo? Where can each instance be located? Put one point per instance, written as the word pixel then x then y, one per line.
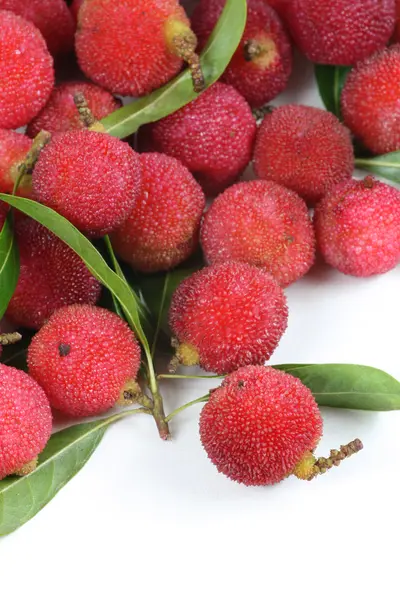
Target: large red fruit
pixel 341 32
pixel 25 419
pixel 213 136
pixel 90 178
pixel 281 6
pixel 61 114
pixel 305 149
pixel 263 224
pixel 162 230
pixel 358 227
pixel 370 101
pixel 227 316
pixel 13 150
pixel 261 65
pixel 51 276
pixel 27 75
pixel 86 359
pixel 259 425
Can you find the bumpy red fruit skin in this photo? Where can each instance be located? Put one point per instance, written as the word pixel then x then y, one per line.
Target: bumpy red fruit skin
pixel 281 6
pixel 263 224
pixel 90 178
pixel 261 79
pixel 122 45
pixel 51 276
pixel 162 230
pixel 3 213
pixel 99 355
pixel 13 150
pixel 259 424
pixel 370 101
pixel 358 227
pixel 213 136
pixel 61 114
pixel 27 74
pixel 25 418
pixel 305 149
pixel 233 314
pixel 341 32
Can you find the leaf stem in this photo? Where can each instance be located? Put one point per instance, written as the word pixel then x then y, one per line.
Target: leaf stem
pixel 160 314
pixel 185 406
pixel 173 376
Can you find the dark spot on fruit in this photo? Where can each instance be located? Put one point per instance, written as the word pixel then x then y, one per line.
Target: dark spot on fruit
pixel 64 349
pixel 240 384
pixel 128 395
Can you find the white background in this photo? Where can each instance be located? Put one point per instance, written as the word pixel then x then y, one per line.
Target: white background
pixel 149 519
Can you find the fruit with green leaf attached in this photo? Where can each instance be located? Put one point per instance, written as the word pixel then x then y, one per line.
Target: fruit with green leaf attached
pixel 14 147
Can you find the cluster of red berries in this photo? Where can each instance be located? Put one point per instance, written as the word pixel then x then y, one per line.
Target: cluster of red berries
pixel 257 236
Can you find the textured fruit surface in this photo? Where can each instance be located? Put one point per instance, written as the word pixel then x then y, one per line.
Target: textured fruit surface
pixel 396 35
pixel 90 178
pixel 263 224
pixel 51 276
pixel 233 314
pixel 260 78
pixel 341 32
pixel 25 419
pixel 3 212
pixel 61 114
pixel 162 230
pixel 74 8
pixel 51 17
pixel 259 424
pixel 213 136
pixel 122 45
pixel 305 149
pixel 358 227
pixel 281 6
pixel 26 67
pixel 13 150
pixel 370 101
pixel 83 358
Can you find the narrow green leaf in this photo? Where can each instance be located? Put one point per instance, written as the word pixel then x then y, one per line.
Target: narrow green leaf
pixel 214 60
pixel 348 386
pixel 9 264
pixel 385 165
pixel 330 80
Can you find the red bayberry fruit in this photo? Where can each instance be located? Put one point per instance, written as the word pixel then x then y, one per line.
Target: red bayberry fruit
pixel 341 32
pixel 281 6
pixel 305 149
pixel 13 150
pixel 74 8
pixel 227 316
pixel 86 359
pixel 260 425
pixel 370 101
pixel 27 73
pixel 213 136
pixel 358 227
pixel 61 114
pixel 51 276
pixel 90 178
pixel 396 35
pixel 263 224
pixel 26 420
pixel 162 230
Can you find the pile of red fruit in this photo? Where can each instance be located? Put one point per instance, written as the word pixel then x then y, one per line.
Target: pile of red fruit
pixel 148 197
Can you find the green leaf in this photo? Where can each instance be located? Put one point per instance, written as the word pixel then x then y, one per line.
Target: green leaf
pixel 348 386
pixel 385 165
pixel 9 264
pixel 216 56
pixel 330 82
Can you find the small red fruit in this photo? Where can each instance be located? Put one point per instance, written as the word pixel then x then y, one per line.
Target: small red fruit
pixel 213 136
pixel 13 150
pixel 86 359
pixel 90 178
pixel 340 32
pixel 162 230
pixel 27 74
pixel 26 421
pixel 227 316
pixel 358 227
pixel 263 224
pixel 305 149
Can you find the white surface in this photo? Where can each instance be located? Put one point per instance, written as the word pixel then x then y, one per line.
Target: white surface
pixel 146 519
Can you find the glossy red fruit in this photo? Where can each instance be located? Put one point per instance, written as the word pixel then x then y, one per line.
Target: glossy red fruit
pixel 305 149
pixel 358 227
pixel 341 32
pixel 26 66
pixel 90 178
pixel 86 359
pixel 13 150
pixel 262 224
pixel 227 316
pixel 162 230
pixel 213 136
pixel 259 424
pixel 26 421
